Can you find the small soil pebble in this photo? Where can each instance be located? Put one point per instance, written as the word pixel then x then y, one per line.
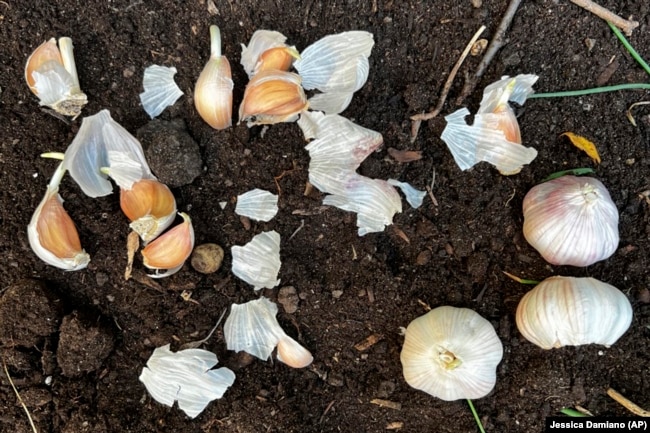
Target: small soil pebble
pixel 207 258
pixel 84 344
pixel 288 297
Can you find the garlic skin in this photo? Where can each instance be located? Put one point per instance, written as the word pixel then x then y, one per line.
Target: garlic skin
pixel 571 221
pixel 213 90
pixel 451 353
pixel 170 250
pixel 253 327
pixel 150 207
pixel 185 376
pixel 257 204
pixel 51 74
pixel 414 197
pixel 258 262
pixel 51 232
pixel 567 311
pixel 160 89
pixel 494 136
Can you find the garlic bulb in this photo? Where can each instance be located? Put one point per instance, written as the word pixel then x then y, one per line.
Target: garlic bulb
pixel 51 74
pixel 567 311
pixel 213 91
pixel 252 327
pixel 451 353
pixel 160 89
pixel 170 251
pixel 571 221
pixel 494 136
pixel 257 204
pixel 258 262
pixel 186 376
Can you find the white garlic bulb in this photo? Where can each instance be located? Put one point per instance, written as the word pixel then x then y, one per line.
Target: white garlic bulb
pixel 451 353
pixel 571 221
pixel 567 311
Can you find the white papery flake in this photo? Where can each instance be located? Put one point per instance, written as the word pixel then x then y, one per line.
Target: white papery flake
pixel 258 262
pixel 160 89
pixel 257 204
pixel 185 376
pixel 413 196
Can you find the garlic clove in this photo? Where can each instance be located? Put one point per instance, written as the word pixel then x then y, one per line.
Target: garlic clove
pixel 160 89
pixel 258 262
pixel 272 97
pixel 185 376
pixel 213 90
pixel 150 207
pixel 170 250
pixel 52 233
pixel 257 204
pixel 278 58
pixel 451 353
pixel 51 74
pixel 103 146
pixel 567 311
pixel 261 41
pixel 290 352
pixel 571 221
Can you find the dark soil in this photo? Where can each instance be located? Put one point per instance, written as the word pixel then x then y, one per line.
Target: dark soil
pixel 76 344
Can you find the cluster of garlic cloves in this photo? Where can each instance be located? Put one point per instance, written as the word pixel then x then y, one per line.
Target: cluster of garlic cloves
pixel 494 136
pixel 51 74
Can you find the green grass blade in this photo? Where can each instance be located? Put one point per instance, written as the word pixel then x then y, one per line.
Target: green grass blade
pixel 615 88
pixel 629 47
pixel 476 418
pixel 573 172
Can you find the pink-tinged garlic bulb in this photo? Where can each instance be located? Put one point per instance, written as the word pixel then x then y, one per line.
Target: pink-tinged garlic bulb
pixel 451 353
pixel 571 221
pixel 567 311
pixel 213 91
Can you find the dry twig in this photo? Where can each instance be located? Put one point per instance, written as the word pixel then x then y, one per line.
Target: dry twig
pixel 20 399
pixel 623 24
pixel 636 410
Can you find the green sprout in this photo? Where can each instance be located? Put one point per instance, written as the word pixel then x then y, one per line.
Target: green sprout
pixel 573 171
pixel 574 413
pixel 478 420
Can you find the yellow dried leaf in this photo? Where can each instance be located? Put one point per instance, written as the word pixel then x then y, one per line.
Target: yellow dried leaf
pixel 583 144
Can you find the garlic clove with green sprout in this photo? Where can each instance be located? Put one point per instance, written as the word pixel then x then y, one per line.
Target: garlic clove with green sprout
pixel 451 353
pixel 213 90
pixel 103 148
pixel 494 136
pixel 150 207
pixel 571 220
pixel 567 311
pixel 257 204
pixel 160 89
pixel 169 251
pixel 258 262
pixel 51 74
pixel 253 327
pixel 52 233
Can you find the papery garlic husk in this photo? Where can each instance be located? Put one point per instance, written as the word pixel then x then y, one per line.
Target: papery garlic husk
pixel 266 43
pixel 52 233
pixel 185 376
pixel 414 197
pixel 51 74
pixel 451 353
pixel 571 221
pixel 494 136
pixel 257 204
pixel 213 90
pixel 258 262
pixel 253 327
pixel 160 89
pixel 103 148
pixel 337 65
pixel 170 250
pixel 272 97
pixel 567 311
pixel 150 207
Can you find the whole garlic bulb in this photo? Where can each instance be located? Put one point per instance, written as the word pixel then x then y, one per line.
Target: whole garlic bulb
pixel 571 221
pixel 451 353
pixel 567 311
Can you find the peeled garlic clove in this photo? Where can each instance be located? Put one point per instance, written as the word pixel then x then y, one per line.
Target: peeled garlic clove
pixel 494 137
pixel 150 207
pixel 451 353
pixel 160 89
pixel 272 97
pixel 571 221
pixel 170 250
pixel 213 91
pixel 51 74
pixel 252 327
pixel 257 204
pixel 261 41
pixel 567 311
pixel 103 146
pixel 52 233
pixel 185 376
pixel 258 262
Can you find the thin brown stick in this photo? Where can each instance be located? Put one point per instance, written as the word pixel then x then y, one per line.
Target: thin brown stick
pixel 626 25
pixel 418 118
pixel 498 41
pixel 627 403
pixel 20 400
